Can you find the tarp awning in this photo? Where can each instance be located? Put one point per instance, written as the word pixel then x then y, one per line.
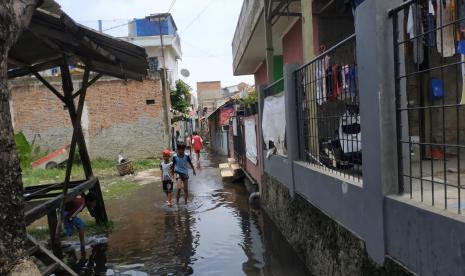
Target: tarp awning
pixel 50 37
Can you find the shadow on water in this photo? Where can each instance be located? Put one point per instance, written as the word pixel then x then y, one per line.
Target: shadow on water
pixel 217 233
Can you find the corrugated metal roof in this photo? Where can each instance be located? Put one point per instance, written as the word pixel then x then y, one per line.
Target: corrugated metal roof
pixel 51 36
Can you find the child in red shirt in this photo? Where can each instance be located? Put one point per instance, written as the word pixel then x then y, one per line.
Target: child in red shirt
pixel 197 144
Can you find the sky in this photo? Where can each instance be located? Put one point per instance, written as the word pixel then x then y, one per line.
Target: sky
pixel 206 28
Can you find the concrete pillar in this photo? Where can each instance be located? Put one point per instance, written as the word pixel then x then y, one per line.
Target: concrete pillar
pixel 307 29
pixel 378 117
pixel 292 133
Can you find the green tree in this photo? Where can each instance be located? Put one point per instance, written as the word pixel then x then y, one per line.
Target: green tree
pixel 181 97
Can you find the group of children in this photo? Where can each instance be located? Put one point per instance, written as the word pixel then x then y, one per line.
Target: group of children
pixel 173 171
pixel 177 169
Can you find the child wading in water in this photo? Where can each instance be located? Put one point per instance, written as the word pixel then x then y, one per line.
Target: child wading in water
pixel 167 176
pixel 181 170
pixel 197 144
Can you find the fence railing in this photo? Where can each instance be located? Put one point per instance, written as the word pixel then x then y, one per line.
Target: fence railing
pixel 429 49
pixel 328 111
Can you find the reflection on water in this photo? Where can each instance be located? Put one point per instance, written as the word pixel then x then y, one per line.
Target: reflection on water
pixel 217 233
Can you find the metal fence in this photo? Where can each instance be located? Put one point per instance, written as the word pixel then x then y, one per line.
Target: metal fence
pixel 328 111
pixel 429 48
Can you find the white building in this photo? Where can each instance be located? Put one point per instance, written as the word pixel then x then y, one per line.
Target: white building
pixel 145 32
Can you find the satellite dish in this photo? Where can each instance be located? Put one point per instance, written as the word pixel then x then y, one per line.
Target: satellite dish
pixel 185 73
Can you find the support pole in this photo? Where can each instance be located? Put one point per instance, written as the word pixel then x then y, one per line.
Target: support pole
pixel 269 41
pixel 165 88
pixel 52 226
pixel 100 212
pixel 70 161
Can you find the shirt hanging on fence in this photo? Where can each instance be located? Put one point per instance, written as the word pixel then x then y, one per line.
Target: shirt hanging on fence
pixel 414 29
pixel 320 82
pixel 250 140
pixel 430 25
pixel 274 122
pixel 445 14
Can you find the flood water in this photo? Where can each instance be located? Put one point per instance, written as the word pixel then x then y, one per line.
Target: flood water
pixel 217 233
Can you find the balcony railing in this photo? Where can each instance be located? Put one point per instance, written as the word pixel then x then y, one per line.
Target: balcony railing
pixel 328 111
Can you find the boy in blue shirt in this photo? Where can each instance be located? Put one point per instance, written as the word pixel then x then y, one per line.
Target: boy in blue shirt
pixel 181 170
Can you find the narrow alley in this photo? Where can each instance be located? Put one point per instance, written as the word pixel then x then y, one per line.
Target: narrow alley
pixel 217 233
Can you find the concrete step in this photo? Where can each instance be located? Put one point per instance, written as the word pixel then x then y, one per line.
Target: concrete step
pixel 231 160
pixel 235 167
pixel 224 166
pixel 226 173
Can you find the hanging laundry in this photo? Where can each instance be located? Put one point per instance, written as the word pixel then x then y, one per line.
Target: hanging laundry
pixel 431 25
pixel 345 77
pixel 319 72
pixel 415 29
pixel 353 80
pixel 329 82
pixel 445 14
pixel 461 14
pixel 335 83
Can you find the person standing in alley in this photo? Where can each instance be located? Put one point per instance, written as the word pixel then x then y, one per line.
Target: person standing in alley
pixel 189 143
pixel 197 144
pixel 180 168
pixel 167 176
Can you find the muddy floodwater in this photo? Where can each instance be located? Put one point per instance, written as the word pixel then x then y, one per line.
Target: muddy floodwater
pixel 217 233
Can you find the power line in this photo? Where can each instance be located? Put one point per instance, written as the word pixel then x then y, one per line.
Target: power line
pixel 197 17
pixel 171 6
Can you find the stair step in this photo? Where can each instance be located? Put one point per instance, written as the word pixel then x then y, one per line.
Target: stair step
pixel 235 167
pixel 49 270
pixel 227 173
pixel 224 166
pixel 231 160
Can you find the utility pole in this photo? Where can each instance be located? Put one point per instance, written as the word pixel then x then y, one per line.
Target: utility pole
pixel 269 40
pixel 160 18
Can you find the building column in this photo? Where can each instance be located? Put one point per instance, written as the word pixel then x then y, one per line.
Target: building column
pixel 375 60
pixel 292 133
pixel 307 29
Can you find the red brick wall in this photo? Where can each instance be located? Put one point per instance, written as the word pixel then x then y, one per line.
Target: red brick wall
pixel 260 75
pixel 116 117
pixel 293 45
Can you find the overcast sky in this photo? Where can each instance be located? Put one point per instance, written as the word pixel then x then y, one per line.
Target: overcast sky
pixel 206 28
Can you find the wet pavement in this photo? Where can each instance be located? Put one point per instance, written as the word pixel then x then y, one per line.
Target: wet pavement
pixel 217 233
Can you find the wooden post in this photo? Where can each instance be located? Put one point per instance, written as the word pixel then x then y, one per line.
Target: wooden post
pixel 100 212
pixel 70 161
pixel 52 226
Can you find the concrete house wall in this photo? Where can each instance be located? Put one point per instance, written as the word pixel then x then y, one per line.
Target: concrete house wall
pixel 344 227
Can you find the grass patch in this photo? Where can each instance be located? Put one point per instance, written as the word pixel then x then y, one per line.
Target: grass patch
pixel 101 167
pixel 119 189
pixel 92 229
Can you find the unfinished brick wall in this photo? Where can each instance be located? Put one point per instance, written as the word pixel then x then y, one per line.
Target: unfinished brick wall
pixel 118 116
pixel 208 92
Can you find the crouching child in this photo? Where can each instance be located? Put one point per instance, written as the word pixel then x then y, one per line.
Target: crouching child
pixel 71 221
